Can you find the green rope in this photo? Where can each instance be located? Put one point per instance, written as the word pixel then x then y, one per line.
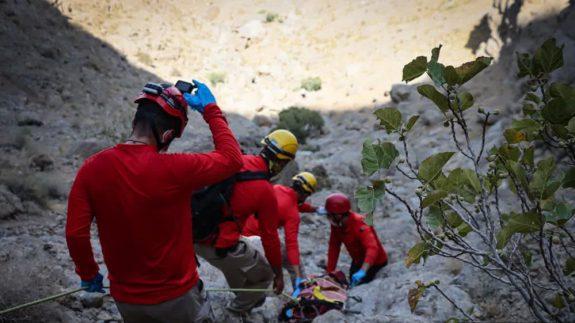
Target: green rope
pixel 70 292
pixel 41 300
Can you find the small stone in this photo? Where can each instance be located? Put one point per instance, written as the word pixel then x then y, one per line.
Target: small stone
pixel 400 92
pixel 42 162
pixel 92 300
pixel 330 316
pixel 262 121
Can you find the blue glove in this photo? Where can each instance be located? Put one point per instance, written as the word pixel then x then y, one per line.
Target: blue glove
pixel 357 277
pixel 201 98
pixel 321 210
pixel 297 287
pixel 94 285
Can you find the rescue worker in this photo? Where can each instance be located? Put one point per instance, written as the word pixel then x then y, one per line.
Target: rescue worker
pixel 291 201
pixel 361 241
pixel 239 261
pixel 139 196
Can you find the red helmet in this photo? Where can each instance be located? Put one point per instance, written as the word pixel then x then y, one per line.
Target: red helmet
pixel 170 99
pixel 337 203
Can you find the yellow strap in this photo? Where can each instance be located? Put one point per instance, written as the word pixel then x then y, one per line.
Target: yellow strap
pixel 317 294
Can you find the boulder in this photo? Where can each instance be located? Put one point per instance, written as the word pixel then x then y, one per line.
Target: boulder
pixel 330 316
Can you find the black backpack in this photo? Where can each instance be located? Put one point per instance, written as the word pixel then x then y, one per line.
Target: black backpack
pixel 211 205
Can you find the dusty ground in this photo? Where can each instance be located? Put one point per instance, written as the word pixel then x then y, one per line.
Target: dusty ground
pixel 69 70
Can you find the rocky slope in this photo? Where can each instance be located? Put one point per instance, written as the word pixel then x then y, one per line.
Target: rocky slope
pixel 69 70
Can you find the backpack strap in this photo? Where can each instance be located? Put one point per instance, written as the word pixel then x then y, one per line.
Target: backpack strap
pixel 251 176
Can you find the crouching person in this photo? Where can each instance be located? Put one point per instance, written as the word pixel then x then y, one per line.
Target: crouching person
pixel 251 193
pixel 291 201
pixel 361 241
pixel 140 198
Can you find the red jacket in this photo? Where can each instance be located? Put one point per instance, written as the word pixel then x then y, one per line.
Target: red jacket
pixel 141 202
pixel 359 239
pixel 253 197
pixel 288 218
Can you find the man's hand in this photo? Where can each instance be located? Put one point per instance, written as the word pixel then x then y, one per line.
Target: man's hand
pixel 201 98
pixel 278 283
pixel 94 285
pixel 357 277
pixel 297 287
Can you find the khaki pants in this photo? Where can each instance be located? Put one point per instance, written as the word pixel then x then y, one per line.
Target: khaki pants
pixel 188 308
pixel 243 267
pixel 256 242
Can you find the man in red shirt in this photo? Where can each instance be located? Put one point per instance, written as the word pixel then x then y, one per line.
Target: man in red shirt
pixel 240 262
pixel 291 201
pixel 360 240
pixel 139 196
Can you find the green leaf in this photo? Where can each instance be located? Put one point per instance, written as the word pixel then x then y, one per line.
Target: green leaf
pixel 367 197
pixel 430 92
pixel 518 223
pixel 558 213
pixel 524 64
pixel 514 136
pixel 375 156
pixel 435 53
pixel 561 90
pixel 569 178
pixel 390 118
pixel 530 96
pixel 557 301
pixel 411 122
pixel 527 257
pixel 509 152
pixel 548 57
pixel 569 266
pixel 529 127
pixel 415 254
pixel 432 166
pixel 528 156
pixel 414 69
pixel 468 70
pixel 465 100
pixel 529 109
pixel 559 110
pixel 433 197
pixel 450 75
pixel 519 174
pixel 463 182
pixel 464 229
pixel 434 217
pixel 434 68
pixel 571 126
pixel 415 294
pixel 541 178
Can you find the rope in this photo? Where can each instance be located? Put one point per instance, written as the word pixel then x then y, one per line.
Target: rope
pixel 70 292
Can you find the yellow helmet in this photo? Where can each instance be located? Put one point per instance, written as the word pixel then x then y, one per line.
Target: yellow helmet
pixel 306 181
pixel 282 144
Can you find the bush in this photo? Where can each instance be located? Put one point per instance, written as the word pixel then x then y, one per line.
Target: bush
pixel 508 214
pixel 311 84
pixel 216 77
pixel 302 122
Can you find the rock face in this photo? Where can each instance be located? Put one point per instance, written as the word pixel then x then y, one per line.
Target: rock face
pixel 10 203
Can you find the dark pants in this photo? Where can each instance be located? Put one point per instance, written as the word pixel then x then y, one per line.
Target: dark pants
pixel 369 275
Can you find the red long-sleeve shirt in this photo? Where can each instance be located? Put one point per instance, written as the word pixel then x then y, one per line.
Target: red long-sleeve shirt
pixel 253 197
pixel 141 202
pixel 288 218
pixel 359 239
